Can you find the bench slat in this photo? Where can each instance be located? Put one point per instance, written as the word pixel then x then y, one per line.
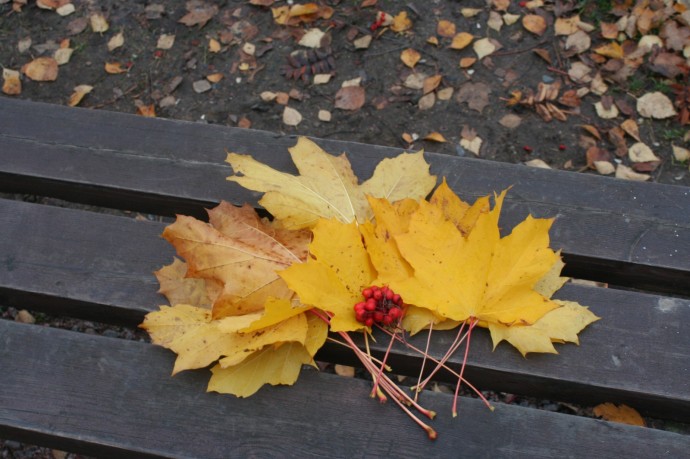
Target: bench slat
pixel 621 232
pixel 114 398
pixel 98 266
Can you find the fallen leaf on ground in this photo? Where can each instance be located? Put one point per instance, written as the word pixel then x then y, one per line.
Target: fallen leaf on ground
pixel 350 98
pixel 538 163
pixel 312 39
pixel 291 117
pixel 473 146
pixel 611 49
pixel 630 127
pixel 115 68
pixel 640 152
pixel 214 46
pixel 495 21
pixel 41 69
pixel 401 22
pixel 99 24
pixel 445 28
pixel 198 13
pixel 431 83
pixel 534 23
pixel 626 173
pixel 680 154
pixel 604 167
pixel 165 41
pixel 461 40
pixel 427 101
pixel 483 47
pixel 604 112
pixel 619 413
pixel 511 121
pixel 467 62
pixel 655 105
pixel 299 201
pixel 435 137
pixel 12 85
pixel 410 57
pixel 567 26
pixel 63 55
pixel 116 41
pixel 475 94
pixel 79 93
pixel 148 111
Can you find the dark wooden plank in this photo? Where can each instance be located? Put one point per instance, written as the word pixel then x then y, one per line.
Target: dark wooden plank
pixel 629 233
pixel 116 398
pixel 99 266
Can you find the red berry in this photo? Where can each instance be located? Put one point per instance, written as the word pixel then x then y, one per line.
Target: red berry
pixel 389 295
pixel 561 147
pixel 369 322
pixel 394 313
pixel 377 295
pixel 397 299
pixel 527 148
pixel 378 316
pixel 370 305
pixel 522 4
pixel 366 293
pixel 359 306
pixel 387 320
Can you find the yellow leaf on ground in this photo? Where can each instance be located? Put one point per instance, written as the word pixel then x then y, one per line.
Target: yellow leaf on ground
pixel 483 47
pixel 79 93
pixel 619 413
pixel 461 40
pixel 410 57
pixel 556 326
pixel 333 278
pixel 327 187
pixel 445 28
pixel 401 22
pixel 534 23
pixel 115 68
pixel 11 85
pixel 148 111
pixel 41 69
pixel 611 49
pixel 116 41
pixel 98 23
pixel 435 137
pixel 304 9
pixel 214 45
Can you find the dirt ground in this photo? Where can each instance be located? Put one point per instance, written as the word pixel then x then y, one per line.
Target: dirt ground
pixel 210 42
pixel 231 63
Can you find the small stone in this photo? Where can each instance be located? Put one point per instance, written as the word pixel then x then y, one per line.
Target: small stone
pixel 201 86
pixel 325 115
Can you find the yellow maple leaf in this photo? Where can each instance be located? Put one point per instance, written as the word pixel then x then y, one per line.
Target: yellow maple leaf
pixel 179 289
pixel 480 276
pixel 327 187
pixel 333 278
pixel 559 325
pixel 198 340
pixel 239 251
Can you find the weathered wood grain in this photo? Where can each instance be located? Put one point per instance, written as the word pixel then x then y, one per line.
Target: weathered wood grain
pixel 115 398
pixel 98 266
pixel 622 232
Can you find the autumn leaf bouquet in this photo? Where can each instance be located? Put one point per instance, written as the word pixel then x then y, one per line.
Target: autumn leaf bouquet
pixel 257 297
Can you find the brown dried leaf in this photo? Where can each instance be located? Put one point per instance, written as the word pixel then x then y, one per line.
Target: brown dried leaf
pixel 641 153
pixel 12 85
pixel 475 94
pixel 445 28
pixel 609 30
pixel 534 23
pixel 41 69
pixel 617 138
pixel 435 137
pixel 431 83
pixel 198 13
pixel 461 40
pixel 626 173
pixel 544 54
pixel 427 101
pixel 115 68
pixel 213 45
pixel 594 154
pixel 149 111
pixel 350 98
pixel 631 128
pixel 592 130
pixel 621 413
pixel 467 62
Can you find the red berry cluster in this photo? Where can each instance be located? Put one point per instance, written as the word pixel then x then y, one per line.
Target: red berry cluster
pixel 381 306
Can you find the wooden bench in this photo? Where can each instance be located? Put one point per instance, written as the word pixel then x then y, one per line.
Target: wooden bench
pixel 112 397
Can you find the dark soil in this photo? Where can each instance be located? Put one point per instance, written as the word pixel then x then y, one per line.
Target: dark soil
pixel 165 79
